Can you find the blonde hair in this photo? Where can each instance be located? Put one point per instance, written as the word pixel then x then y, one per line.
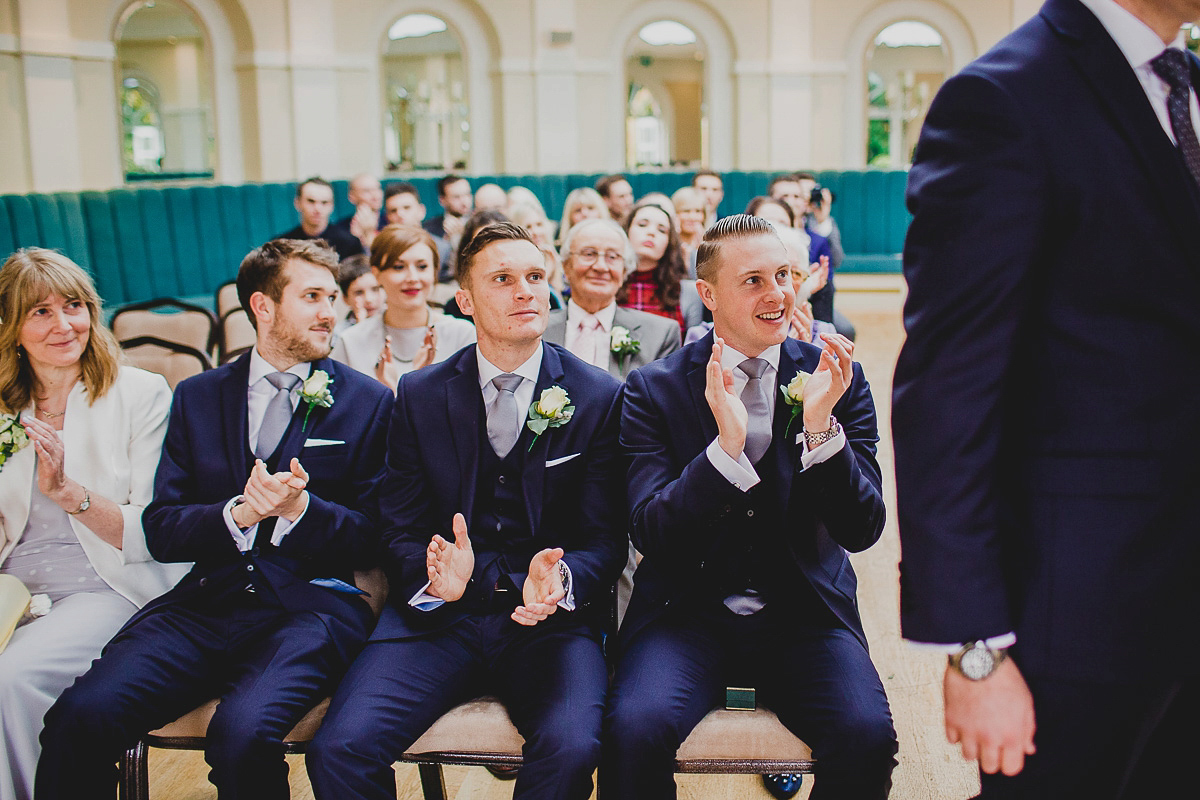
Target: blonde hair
pixel 577 198
pixel 27 278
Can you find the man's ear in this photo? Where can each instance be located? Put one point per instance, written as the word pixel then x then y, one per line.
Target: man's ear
pixel 707 296
pixel 463 296
pixel 262 308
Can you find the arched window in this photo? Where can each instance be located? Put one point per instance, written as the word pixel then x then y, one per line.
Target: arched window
pixel 666 116
pixel 426 119
pixel 905 67
pixel 166 93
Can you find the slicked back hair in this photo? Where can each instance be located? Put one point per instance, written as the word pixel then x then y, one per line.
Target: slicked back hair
pixel 503 231
pixel 315 181
pixel 735 226
pixel 262 269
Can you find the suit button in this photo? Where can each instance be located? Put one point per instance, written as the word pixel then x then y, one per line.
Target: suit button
pixel 498 526
pixel 204 581
pixel 750 513
pixel 249 568
pixel 501 479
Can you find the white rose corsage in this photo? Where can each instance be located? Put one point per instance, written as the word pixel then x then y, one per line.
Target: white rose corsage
pixel 622 344
pixel 12 437
pixel 315 392
pixel 552 410
pixel 793 395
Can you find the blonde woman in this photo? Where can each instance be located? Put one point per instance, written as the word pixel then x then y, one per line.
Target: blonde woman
pixel 71 500
pixel 581 204
pixel 690 212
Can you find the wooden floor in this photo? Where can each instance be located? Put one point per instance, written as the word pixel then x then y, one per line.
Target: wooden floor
pixel 929 768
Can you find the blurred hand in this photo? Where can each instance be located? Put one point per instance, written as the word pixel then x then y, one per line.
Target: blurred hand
pixel 992 719
pixel 543 588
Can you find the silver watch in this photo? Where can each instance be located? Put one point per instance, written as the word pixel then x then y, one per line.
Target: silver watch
pixel 815 440
pixel 976 661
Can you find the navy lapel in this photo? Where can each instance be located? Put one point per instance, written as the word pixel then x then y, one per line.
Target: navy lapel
pixel 464 415
pixel 534 473
pixel 697 382
pixel 298 431
pixel 792 359
pixel 233 394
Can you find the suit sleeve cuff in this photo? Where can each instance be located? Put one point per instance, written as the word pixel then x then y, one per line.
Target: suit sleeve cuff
pixel 244 539
pixel 283 527
pixel 739 473
pixel 823 451
pixel 996 643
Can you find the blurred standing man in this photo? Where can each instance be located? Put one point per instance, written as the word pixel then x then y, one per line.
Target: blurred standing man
pixel 314 203
pixel 454 195
pixel 1046 402
pixel 366 195
pixel 617 194
pixel 711 187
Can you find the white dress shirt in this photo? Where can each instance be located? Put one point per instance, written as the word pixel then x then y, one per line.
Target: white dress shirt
pixel 589 335
pixel 1140 45
pixel 259 394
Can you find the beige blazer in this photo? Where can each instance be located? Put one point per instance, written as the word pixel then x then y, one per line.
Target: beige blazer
pixel 112 448
pixel 359 346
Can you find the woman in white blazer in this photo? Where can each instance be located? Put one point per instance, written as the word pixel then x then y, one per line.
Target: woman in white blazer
pixel 71 499
pixel 408 334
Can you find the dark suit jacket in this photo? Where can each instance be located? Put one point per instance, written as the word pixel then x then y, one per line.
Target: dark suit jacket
pixel 1047 401
pixel 658 336
pixel 681 507
pixel 206 460
pixel 437 427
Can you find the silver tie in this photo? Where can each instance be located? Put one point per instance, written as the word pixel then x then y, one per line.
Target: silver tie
pixel 503 421
pixel 758 409
pixel 278 415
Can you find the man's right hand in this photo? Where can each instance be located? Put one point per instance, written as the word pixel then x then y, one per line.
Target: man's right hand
pixel 450 564
pixel 992 719
pixel 727 407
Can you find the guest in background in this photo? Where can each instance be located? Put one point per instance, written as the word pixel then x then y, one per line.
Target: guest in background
pixel 533 219
pixel 490 197
pixel 773 210
pixel 314 203
pixel 521 196
pixel 366 195
pixel 711 185
pixel 360 290
pixel 617 195
pixel 71 499
pixel 403 206
pixel 690 215
pixel 454 195
pixel 408 334
pixel 581 204
pixel 658 282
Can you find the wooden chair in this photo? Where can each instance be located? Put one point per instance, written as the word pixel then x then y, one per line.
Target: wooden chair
pixel 237 334
pixel 226 298
pixel 167 319
pixel 172 360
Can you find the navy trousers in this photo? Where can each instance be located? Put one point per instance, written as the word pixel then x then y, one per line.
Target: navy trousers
pixel 818 679
pixel 551 677
pixel 268 666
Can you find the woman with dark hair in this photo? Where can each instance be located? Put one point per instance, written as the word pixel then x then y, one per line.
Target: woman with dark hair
pixel 71 498
pixel 772 210
pixel 657 283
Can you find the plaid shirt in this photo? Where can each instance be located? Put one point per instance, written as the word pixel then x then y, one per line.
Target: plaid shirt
pixel 641 297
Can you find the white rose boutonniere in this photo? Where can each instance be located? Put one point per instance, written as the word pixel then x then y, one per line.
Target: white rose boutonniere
pixel 793 395
pixel 315 392
pixel 12 437
pixel 622 344
pixel 552 410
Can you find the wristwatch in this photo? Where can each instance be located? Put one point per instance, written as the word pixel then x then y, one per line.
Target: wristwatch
pixel 85 504
pixel 815 440
pixel 976 661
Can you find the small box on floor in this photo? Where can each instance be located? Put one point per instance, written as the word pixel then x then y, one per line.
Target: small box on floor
pixel 739 699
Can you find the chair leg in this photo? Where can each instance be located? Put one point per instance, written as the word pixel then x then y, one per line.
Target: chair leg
pixel 135 783
pixel 433 783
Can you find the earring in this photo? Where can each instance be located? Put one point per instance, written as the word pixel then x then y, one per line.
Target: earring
pixel 20 351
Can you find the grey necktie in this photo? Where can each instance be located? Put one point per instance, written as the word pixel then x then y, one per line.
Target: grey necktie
pixel 278 415
pixel 758 408
pixel 1172 66
pixel 503 422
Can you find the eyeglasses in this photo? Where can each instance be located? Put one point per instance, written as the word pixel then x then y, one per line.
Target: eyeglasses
pixel 589 255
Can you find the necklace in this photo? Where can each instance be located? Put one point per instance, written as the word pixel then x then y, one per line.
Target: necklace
pixel 48 415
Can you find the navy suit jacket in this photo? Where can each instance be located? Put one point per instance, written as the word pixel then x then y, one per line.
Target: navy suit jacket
pixel 206 460
pixel 1047 401
pixel 437 428
pixel 681 506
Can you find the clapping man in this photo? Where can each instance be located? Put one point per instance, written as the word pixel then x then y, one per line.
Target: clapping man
pixel 744 501
pixel 504 536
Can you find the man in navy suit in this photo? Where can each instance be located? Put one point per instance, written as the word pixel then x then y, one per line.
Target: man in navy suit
pixel 275 500
pixel 744 513
pixel 1047 402
pixel 516 606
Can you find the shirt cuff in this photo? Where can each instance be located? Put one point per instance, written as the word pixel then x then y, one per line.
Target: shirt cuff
pixel 244 539
pixel 283 527
pixel 423 601
pixel 568 601
pixel 740 473
pixel 996 643
pixel 823 451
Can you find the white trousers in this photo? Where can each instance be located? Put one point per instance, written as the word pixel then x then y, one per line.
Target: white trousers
pixel 42 659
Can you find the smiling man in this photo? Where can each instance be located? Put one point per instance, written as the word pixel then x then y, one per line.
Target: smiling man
pixel 268 482
pixel 504 535
pixel 744 508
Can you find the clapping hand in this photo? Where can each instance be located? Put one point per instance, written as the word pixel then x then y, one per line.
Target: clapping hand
pixel 727 407
pixel 802 322
pixel 387 371
pixel 827 385
pixel 819 269
pixel 543 588
pixel 449 565
pixel 427 352
pixel 49 448
pixel 364 225
pixel 273 495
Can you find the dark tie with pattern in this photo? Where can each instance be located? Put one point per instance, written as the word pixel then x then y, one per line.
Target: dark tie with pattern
pixel 758 409
pixel 278 415
pixel 503 423
pixel 1172 65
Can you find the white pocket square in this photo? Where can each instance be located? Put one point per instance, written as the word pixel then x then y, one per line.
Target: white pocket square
pixel 322 442
pixel 562 460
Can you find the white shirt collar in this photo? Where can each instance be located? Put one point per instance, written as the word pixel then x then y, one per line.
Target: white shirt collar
pixel 730 358
pixel 1137 40
pixel 604 316
pixel 259 368
pixel 529 370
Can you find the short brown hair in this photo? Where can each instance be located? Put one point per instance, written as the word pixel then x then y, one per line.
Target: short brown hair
pixel 262 268
pixel 316 181
pixel 707 173
pixel 394 240
pixel 605 184
pixel 503 231
pixel 735 226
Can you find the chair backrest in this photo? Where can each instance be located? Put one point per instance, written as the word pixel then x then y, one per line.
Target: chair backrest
pixel 172 360
pixel 167 319
pixel 237 334
pixel 227 298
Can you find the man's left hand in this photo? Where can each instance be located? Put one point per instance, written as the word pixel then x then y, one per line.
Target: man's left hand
pixel 829 382
pixel 543 588
pixel 281 494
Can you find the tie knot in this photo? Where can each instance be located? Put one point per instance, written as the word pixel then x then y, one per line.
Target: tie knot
pixel 507 382
pixel 1172 66
pixel 754 367
pixel 283 380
